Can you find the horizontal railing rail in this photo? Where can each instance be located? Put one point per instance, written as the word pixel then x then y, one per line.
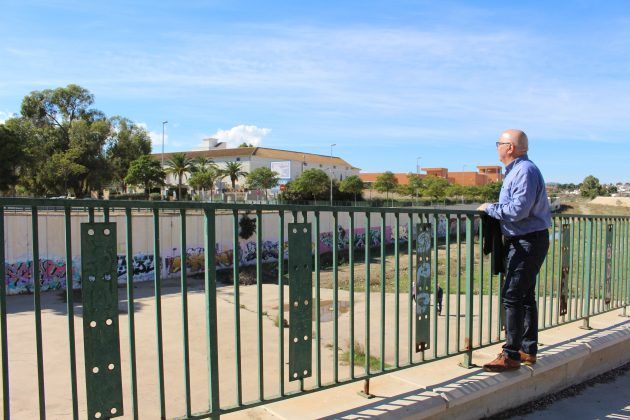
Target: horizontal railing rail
pixel 216 316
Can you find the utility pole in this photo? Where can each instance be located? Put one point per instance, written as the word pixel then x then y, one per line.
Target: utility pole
pixel 331 173
pixel 163 124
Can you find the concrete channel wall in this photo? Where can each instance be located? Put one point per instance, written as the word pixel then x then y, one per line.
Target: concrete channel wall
pixel 19 246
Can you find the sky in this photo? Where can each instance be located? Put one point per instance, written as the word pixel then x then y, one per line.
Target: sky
pixel 390 83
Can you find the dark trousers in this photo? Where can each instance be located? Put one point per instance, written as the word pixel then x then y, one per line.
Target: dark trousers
pixel 524 257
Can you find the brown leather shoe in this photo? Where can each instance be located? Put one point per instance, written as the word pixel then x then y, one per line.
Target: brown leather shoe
pixel 501 364
pixel 528 359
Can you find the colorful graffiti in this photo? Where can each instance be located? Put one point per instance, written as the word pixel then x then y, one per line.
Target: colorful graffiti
pixel 195 261
pixel 19 275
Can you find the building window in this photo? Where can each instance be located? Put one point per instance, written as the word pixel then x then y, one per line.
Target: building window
pixel 238 159
pixel 305 164
pixel 320 165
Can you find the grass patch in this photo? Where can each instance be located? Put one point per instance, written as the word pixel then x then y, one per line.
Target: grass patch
pixel 359 358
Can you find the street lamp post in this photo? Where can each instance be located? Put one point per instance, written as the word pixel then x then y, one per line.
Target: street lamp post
pixel 163 124
pixel 418 174
pixel 331 172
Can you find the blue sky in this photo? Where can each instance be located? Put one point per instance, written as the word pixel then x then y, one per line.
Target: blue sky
pixel 387 81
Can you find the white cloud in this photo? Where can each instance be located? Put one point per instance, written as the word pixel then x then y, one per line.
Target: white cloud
pixel 5 116
pixel 241 133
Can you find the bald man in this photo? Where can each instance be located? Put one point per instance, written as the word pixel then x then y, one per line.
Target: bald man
pixel 524 215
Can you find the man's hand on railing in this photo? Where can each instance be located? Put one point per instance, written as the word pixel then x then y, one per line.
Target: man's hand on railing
pixel 483 207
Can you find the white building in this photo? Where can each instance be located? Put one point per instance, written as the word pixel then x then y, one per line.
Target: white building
pixel 288 164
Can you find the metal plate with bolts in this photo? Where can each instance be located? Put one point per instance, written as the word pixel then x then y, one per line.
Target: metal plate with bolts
pixel 423 285
pixel 565 253
pixel 300 301
pixel 101 342
pixel 608 270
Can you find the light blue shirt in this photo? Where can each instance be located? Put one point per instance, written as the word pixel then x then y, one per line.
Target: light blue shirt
pixel 523 206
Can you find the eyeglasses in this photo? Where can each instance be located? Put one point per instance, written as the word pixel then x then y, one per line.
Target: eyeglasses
pixel 499 143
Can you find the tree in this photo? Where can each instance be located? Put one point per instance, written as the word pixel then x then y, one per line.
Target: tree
pixel 386 182
pixel 233 170
pixel 127 143
pixel 435 187
pixel 263 178
pixel 204 179
pixel 178 165
pixel 12 153
pixel 59 125
pixel 353 185
pixel 590 187
pixel 490 192
pixel 245 144
pixel 146 172
pixel 201 164
pixel 312 182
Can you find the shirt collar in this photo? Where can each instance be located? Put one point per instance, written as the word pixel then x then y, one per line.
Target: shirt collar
pixel 514 162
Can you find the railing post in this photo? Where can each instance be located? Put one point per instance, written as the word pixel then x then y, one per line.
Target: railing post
pixel 467 362
pixel 589 251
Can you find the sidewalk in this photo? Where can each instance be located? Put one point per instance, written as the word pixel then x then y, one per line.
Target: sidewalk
pixel 568 355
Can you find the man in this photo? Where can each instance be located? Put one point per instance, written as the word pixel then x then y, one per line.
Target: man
pixel 524 215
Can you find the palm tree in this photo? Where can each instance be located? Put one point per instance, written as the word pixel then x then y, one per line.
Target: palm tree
pixel 201 164
pixel 178 165
pixel 233 170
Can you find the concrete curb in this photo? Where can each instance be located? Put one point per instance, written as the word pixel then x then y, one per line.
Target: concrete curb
pixel 480 394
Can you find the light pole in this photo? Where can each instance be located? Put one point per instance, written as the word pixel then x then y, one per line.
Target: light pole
pixel 418 174
pixel 163 124
pixel 331 172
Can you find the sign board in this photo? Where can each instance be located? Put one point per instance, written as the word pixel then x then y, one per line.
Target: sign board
pixel 282 168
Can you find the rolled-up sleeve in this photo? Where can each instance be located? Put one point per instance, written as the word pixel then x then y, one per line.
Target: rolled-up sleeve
pixel 520 200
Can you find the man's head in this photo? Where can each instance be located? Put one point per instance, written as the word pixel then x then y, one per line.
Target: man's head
pixel 512 144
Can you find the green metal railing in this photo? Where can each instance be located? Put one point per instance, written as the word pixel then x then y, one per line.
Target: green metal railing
pixel 354 288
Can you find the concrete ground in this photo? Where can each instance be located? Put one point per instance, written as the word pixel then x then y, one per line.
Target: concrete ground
pixel 22 349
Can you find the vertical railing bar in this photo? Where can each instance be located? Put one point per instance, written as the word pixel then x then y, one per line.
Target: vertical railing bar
pixel 458 236
pixel 105 213
pixel 90 214
pixel 158 310
pixel 184 288
pixel 281 301
pixel 601 258
pixel 6 408
pixel 410 277
pixel 434 270
pixel 38 313
pixel 570 275
pixel 468 344
pixel 553 265
pixel 397 288
pixel 383 284
pixel 616 262
pixel 335 273
pixel 259 306
pixel 131 314
pixel 367 293
pixel 237 302
pixel 544 306
pixel 480 247
pixel 70 310
pixel 351 290
pixel 210 280
pixel 318 331
pixel 578 289
pixel 447 275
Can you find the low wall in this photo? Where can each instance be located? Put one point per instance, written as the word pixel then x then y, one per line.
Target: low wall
pixel 18 244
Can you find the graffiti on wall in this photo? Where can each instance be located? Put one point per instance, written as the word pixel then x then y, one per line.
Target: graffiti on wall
pixel 19 275
pixel 143 267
